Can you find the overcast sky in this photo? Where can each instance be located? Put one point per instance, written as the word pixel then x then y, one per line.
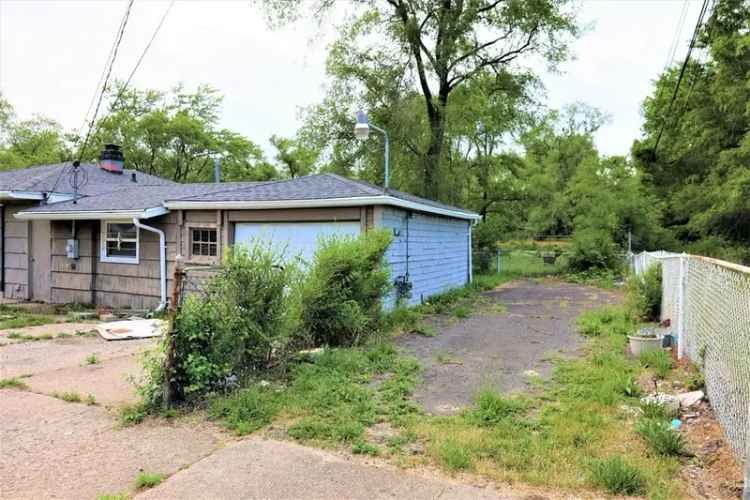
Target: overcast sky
pixel 52 54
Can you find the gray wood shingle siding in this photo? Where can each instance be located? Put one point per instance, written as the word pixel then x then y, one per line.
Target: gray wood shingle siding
pixel 16 248
pixel 438 249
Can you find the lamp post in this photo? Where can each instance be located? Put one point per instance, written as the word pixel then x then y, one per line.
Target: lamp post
pixel 362 131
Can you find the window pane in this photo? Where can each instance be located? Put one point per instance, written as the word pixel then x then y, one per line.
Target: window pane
pixel 204 235
pixel 196 249
pixel 196 234
pixel 123 249
pixel 212 250
pixel 212 235
pixel 122 231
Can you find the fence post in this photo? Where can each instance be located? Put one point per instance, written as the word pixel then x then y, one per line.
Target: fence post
pixel 168 393
pixel 681 285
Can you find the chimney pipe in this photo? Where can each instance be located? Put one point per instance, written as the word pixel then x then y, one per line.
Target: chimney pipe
pixel 217 169
pixel 111 159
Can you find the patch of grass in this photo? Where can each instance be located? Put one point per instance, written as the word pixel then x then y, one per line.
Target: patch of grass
pixel 454 456
pixel 12 383
pixel 658 360
pixel 446 358
pixel 144 480
pixel 132 414
pixel 247 410
pixel 462 312
pixel 92 359
pixel 616 476
pixel 86 333
pixel 492 408
pixel 68 396
pixel 365 448
pixel 22 320
pixel 114 496
pixel 695 381
pixel 661 438
pixel 425 330
pixel 654 410
pixel 90 400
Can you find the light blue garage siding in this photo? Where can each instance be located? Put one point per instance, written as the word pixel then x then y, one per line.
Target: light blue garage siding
pixel 438 252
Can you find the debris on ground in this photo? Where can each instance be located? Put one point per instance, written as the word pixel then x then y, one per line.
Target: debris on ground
pixel 135 329
pixel 689 399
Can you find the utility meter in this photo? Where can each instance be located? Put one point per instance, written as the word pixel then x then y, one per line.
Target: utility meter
pixel 71 249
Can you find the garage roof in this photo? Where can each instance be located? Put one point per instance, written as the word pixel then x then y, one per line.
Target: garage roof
pixel 322 190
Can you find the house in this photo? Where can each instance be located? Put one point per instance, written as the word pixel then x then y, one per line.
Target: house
pixel 106 235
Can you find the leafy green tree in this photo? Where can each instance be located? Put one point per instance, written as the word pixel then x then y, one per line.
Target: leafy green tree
pixel 176 135
pixel 296 157
pixel 434 47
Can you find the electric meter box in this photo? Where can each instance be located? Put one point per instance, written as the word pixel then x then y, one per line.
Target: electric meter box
pixel 71 249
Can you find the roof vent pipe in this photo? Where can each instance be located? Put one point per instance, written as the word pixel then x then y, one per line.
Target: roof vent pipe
pixel 111 159
pixel 217 169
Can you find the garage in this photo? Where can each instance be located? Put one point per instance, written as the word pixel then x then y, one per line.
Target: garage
pixel 298 238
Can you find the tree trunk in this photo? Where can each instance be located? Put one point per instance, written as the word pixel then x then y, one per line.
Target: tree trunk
pixel 436 114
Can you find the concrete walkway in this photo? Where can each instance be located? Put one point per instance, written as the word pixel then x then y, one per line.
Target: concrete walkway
pixel 258 468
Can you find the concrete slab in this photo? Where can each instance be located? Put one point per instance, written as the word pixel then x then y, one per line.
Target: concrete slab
pixel 258 468
pixel 53 449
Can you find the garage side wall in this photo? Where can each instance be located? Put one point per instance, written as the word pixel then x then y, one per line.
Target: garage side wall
pixel 438 251
pixel 16 248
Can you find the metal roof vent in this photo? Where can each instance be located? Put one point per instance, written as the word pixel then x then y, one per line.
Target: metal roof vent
pixel 111 159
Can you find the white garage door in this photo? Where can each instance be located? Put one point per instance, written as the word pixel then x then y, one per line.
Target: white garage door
pixel 300 238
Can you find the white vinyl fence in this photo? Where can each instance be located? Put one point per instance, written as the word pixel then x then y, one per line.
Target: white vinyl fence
pixel 708 304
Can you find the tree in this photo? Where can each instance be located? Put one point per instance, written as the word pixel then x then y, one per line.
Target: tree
pixel 176 135
pixel 295 156
pixel 36 141
pixel 438 46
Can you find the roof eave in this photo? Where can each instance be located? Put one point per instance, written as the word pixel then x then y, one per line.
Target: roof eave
pixel 21 195
pixel 320 203
pixel 145 213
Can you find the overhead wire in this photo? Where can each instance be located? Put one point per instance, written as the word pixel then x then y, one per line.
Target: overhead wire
pixel 683 68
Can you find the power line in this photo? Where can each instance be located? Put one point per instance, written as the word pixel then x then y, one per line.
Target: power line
pixel 124 87
pixel 698 25
pixel 106 79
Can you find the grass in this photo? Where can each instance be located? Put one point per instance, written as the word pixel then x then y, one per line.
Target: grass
pixel 15 317
pixel 69 396
pixel 658 360
pixel 661 438
pixel 92 359
pixel 552 438
pixel 12 383
pixel 132 414
pixel 616 476
pixel 365 448
pixel 114 496
pixel 144 480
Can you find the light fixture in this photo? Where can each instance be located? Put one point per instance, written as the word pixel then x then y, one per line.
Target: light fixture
pixel 362 131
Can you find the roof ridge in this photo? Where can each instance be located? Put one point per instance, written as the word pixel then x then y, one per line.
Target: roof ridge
pixel 374 187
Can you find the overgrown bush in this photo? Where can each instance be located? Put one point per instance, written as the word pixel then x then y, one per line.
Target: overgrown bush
pixel 343 294
pixel 243 323
pixel 644 294
pixel 592 248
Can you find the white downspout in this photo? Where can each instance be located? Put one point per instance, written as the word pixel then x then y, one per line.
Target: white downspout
pixel 162 261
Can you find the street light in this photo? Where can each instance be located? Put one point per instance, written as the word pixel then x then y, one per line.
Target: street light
pixel 362 131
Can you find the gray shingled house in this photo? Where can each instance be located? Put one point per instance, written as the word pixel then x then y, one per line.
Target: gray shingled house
pixel 114 244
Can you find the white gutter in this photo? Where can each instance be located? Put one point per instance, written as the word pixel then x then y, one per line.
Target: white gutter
pixel 21 195
pixel 162 261
pixel 320 203
pixel 91 214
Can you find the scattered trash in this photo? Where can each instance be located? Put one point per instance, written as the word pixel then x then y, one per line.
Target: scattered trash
pixel 689 399
pixel 676 423
pixel 138 329
pixel 668 401
pixel 531 374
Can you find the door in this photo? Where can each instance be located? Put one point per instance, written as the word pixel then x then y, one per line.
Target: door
pixel 297 238
pixel 40 260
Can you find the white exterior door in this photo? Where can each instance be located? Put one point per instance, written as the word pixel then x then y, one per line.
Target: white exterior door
pixel 297 238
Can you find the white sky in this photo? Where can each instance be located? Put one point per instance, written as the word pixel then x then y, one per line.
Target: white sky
pixel 52 54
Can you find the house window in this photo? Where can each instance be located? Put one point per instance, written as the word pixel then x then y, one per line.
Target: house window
pixel 119 242
pixel 203 242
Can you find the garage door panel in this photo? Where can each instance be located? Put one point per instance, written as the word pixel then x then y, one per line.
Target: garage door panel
pixel 297 238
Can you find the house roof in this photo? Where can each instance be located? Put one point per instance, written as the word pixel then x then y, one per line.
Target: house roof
pixel 108 195
pixel 56 179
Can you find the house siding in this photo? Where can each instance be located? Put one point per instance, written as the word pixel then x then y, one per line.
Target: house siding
pixel 438 250
pixel 16 248
pixel 88 280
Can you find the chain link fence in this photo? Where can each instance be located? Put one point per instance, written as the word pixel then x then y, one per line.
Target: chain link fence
pixel 708 304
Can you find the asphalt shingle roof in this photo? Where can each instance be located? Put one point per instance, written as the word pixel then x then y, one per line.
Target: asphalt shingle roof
pixel 56 178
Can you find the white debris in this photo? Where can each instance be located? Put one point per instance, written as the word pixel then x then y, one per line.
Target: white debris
pixel 689 399
pixel 138 329
pixel 531 374
pixel 668 401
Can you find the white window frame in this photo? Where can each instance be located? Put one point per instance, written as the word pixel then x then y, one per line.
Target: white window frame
pixel 103 257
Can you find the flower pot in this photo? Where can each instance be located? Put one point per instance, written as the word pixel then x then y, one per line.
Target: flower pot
pixel 639 345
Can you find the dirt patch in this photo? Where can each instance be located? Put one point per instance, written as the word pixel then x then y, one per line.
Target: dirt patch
pixel 717 475
pixel 51 448
pixel 500 350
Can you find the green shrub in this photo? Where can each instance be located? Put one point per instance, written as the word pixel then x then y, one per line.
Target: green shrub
pixel 658 360
pixel 144 480
pixel 644 294
pixel 695 381
pixel 247 315
pixel 593 249
pixel 365 448
pixel 343 293
pixel 618 477
pixel 661 437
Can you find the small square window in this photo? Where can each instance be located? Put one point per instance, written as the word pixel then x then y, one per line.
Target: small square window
pixel 204 242
pixel 119 242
